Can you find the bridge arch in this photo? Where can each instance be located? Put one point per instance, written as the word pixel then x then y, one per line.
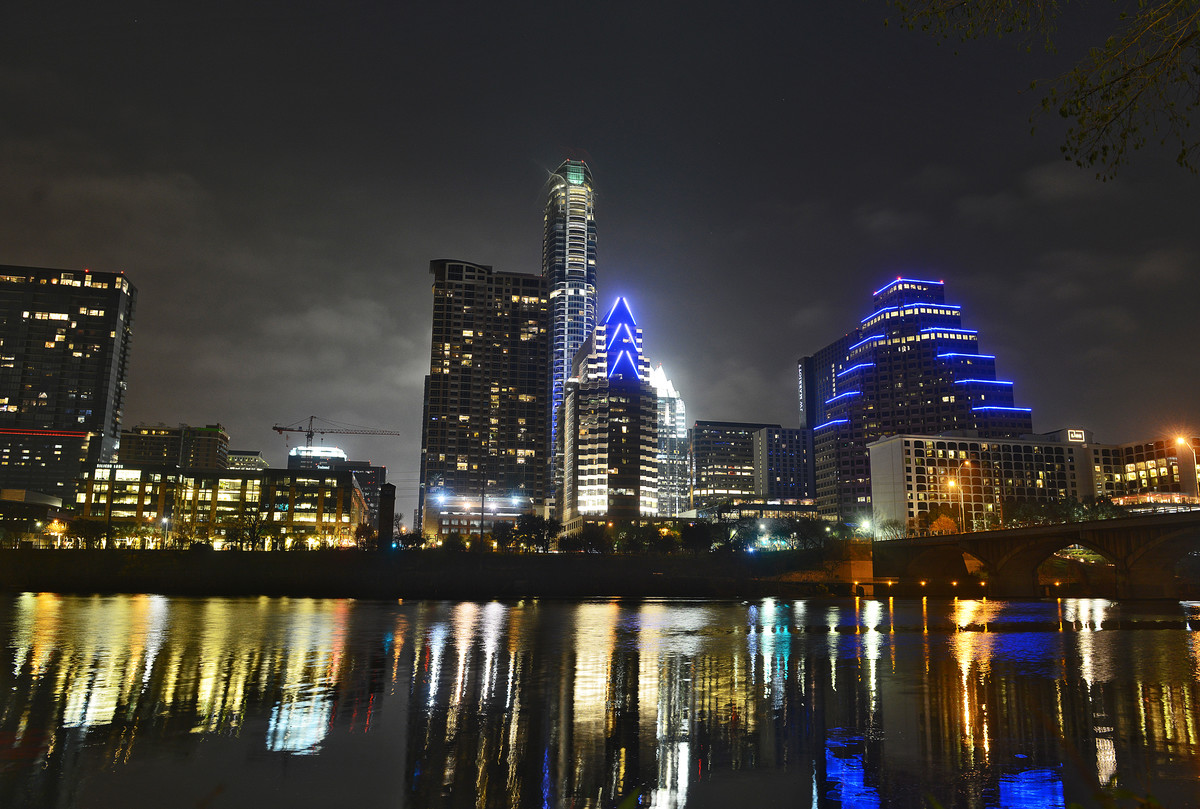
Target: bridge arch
pixel 1151 565
pixel 1017 570
pixel 945 563
pixel 1147 554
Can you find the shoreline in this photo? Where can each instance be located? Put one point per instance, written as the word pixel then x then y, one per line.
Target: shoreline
pixel 406 574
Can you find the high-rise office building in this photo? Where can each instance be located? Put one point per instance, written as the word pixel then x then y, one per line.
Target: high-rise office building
pixel 674 471
pixel 908 368
pixel 569 267
pixel 781 463
pixel 485 424
pixel 722 454
pixel 204 447
pixel 609 429
pixel 64 353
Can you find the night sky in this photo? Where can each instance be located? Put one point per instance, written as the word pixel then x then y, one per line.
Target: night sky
pixel 275 178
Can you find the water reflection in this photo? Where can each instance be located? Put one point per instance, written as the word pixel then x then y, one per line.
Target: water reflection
pixel 859 703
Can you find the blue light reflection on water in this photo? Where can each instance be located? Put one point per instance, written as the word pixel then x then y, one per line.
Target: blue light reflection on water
pixel 1031 789
pixel 862 702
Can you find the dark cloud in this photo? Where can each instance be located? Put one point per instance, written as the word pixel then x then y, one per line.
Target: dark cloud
pixel 276 179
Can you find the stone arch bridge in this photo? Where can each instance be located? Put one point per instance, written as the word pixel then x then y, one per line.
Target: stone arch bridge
pixel 1144 551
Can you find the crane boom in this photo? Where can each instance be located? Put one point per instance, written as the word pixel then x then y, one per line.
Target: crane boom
pixel 311 428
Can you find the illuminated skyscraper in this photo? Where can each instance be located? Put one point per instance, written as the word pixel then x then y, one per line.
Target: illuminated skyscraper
pixel 674 473
pixel 908 368
pixel 722 458
pixel 483 436
pixel 569 266
pixel 64 351
pixel 609 432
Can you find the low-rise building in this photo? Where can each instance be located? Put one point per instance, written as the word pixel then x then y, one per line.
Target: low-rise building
pixel 916 477
pixel 165 505
pixel 247 459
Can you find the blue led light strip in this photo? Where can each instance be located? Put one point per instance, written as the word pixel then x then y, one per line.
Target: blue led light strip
pixel 909 280
pixel 997 407
pixel 856 367
pixel 982 381
pixel 844 395
pixel 911 307
pixel 867 340
pixel 831 423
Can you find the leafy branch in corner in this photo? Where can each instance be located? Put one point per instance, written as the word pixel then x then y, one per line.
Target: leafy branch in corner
pixel 1142 84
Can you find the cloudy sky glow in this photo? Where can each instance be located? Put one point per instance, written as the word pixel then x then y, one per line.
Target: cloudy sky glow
pixel 276 178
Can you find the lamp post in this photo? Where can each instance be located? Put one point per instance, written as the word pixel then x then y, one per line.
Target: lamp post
pixel 962 498
pixel 1183 442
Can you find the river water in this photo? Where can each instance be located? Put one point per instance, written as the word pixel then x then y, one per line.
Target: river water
pixel 148 701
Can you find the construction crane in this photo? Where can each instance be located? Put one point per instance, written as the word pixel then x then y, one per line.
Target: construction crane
pixel 312 429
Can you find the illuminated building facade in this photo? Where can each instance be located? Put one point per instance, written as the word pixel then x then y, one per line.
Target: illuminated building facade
pixel 174 505
pixel 914 476
pixel 315 457
pixel 609 427
pixel 485 423
pixel 781 463
pixel 975 478
pixel 569 267
pixel 674 472
pixel 722 454
pixel 1163 466
pixel 64 352
pixel 908 368
pixel 196 447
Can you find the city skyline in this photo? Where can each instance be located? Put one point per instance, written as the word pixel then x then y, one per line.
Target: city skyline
pixel 756 170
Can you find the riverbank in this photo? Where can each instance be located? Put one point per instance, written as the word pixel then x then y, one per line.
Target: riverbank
pixel 411 574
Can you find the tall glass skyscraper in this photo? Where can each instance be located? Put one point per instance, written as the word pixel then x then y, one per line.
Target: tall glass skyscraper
pixel 569 266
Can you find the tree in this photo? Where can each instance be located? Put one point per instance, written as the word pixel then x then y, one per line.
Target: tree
pixel 1142 83
pixel 365 536
pixel 246 531
pixel 696 537
pixel 87 531
pixel 890 529
pixel 186 531
pixel 943 525
pixel 535 532
pixel 504 535
pixel 595 539
pixel 454 542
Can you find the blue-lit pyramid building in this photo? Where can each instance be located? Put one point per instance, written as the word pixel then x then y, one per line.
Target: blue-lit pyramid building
pixel 608 427
pixel 908 368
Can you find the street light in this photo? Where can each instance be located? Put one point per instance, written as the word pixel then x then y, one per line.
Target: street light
pixel 962 500
pixel 952 484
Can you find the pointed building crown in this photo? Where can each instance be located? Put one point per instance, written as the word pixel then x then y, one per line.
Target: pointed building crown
pixel 622 341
